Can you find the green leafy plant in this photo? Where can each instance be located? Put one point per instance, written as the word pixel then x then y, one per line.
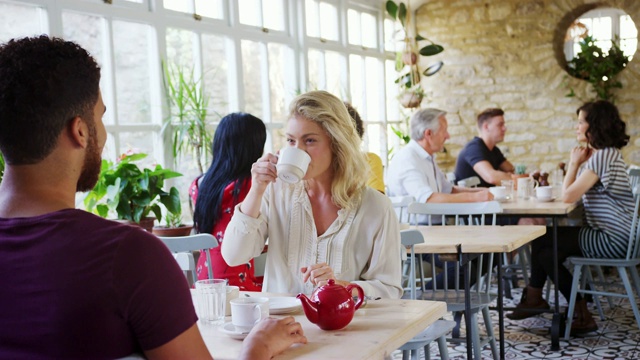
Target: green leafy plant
pixel 131 193
pixel 173 218
pixel 189 121
pixel 597 67
pixel 411 93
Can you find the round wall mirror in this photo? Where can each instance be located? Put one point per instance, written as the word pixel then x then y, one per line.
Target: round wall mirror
pixel 597 37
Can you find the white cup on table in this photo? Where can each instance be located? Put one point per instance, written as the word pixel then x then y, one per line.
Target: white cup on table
pixel 499 192
pixel 247 311
pixel 544 192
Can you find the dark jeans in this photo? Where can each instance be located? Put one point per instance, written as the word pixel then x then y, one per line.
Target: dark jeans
pixel 542 258
pixel 450 270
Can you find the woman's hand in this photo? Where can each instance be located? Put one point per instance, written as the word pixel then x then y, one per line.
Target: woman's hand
pixel 319 274
pixel 263 171
pixel 272 336
pixel 580 154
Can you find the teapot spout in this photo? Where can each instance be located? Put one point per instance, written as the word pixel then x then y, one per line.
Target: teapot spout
pixel 310 308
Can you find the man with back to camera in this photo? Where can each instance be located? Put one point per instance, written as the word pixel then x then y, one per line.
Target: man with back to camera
pixel 481 156
pixel 413 172
pixel 76 285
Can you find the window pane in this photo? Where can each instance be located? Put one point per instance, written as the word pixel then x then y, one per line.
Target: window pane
pixel 313 18
pixel 252 79
pixel 273 14
pixel 356 82
pixel 329 25
pixel 180 47
pixel 334 70
pixel 177 5
pixel 144 142
pixel 353 21
pixel 20 21
pixel 374 81
pixel 89 35
pixel 279 61
pixel 373 133
pixel 210 8
pixel 627 28
pixel 393 35
pixel 602 32
pixel 369 31
pixel 132 64
pixel 629 46
pixel 215 68
pixel 316 70
pixel 249 11
pixel 393 112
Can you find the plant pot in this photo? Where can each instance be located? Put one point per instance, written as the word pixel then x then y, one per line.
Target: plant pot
pixel 183 230
pixel 410 100
pixel 145 223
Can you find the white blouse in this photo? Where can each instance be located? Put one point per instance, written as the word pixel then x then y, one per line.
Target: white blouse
pixel 361 246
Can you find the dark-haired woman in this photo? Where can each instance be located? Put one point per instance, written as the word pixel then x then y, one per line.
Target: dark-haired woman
pixel 597 174
pixel 237 144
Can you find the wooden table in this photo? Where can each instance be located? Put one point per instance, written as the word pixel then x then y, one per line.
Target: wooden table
pixel 377 329
pixel 474 240
pixel 555 210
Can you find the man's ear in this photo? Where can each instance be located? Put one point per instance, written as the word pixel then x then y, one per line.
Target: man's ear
pixel 428 133
pixel 78 132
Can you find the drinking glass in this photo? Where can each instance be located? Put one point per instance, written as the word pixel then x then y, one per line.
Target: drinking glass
pixel 211 295
pixel 508 185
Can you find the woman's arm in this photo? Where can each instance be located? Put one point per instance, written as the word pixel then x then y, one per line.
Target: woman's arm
pixel 263 172
pixel 575 186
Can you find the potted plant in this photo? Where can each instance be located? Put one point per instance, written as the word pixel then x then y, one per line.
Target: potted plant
pixel 189 122
pixel 411 92
pixel 173 219
pixel 130 193
pixel 597 67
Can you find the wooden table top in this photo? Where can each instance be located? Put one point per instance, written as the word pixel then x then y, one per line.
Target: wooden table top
pixel 534 207
pixel 377 329
pixel 476 239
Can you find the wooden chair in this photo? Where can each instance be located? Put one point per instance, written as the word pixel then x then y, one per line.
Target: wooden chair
pixel 628 265
pixel 455 299
pixel 187 244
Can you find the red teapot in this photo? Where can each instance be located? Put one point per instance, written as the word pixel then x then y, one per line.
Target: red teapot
pixel 331 306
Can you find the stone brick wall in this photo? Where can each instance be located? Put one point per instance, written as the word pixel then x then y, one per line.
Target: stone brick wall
pixel 508 54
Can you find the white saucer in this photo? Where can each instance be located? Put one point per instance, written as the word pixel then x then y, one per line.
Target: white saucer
pixel 231 331
pixel 283 305
pixel 545 199
pixel 502 199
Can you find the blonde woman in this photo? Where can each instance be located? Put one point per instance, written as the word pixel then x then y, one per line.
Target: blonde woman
pixel 328 226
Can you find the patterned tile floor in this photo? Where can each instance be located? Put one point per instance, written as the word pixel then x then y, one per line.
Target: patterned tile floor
pixel 618 336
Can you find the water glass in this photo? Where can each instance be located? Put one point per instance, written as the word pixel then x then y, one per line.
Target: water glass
pixel 508 185
pixel 211 295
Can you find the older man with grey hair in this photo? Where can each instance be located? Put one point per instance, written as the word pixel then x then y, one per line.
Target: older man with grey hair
pixel 413 171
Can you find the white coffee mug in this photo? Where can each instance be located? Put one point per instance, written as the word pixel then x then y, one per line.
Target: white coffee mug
pixel 232 293
pixel 247 311
pixel 292 164
pixel 499 192
pixel 544 192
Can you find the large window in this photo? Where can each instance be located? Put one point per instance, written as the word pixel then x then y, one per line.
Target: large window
pixel 251 55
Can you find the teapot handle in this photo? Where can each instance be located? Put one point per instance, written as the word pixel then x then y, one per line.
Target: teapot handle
pixel 360 294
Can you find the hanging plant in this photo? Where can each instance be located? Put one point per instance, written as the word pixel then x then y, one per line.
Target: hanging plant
pixel 598 67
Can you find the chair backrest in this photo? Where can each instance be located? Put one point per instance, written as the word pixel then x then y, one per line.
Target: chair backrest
pixel 460 211
pixel 187 264
pixel 451 176
pixel 409 238
pixel 190 243
pixel 471 181
pixel 401 203
pixel 633 249
pixel 634 176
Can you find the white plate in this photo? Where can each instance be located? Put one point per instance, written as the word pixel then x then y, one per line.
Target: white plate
pixel 283 305
pixel 231 331
pixel 545 199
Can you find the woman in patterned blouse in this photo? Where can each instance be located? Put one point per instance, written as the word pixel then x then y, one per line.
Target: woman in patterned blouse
pixel 238 143
pixel 597 174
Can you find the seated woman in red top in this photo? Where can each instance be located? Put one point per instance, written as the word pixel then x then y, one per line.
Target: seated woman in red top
pixel 237 144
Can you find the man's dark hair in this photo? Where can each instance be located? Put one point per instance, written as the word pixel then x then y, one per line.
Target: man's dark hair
pixel 606 128
pixel 488 114
pixel 357 120
pixel 44 83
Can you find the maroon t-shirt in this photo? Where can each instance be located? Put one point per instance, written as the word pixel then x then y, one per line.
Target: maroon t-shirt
pixel 74 285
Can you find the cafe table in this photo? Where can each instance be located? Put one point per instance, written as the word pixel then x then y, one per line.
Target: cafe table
pixel 555 210
pixel 377 329
pixel 477 240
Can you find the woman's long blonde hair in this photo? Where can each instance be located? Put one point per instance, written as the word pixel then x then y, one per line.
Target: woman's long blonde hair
pixel 349 163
